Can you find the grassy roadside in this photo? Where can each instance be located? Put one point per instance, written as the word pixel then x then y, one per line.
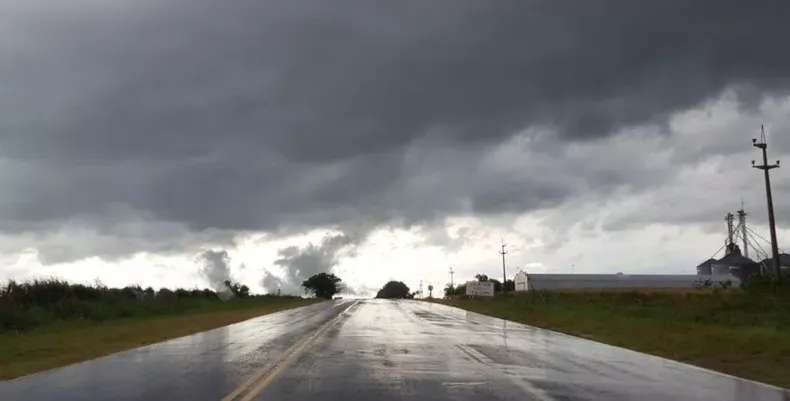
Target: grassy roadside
pixel 735 333
pixel 71 341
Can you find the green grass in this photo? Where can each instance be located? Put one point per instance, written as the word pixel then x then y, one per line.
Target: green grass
pixel 57 342
pixel 737 333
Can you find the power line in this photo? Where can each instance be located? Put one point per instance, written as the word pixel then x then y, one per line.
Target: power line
pixel 717 252
pixel 765 254
pixel 757 252
pixel 762 254
pixel 744 238
pixel 727 241
pixel 761 237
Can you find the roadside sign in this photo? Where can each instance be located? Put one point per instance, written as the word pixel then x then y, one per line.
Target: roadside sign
pixel 480 288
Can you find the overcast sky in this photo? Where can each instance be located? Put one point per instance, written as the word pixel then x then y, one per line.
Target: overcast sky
pixel 164 142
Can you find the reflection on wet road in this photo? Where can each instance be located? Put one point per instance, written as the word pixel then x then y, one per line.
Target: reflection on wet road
pixel 382 350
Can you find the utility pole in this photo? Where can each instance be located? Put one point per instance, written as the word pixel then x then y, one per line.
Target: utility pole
pixel 763 145
pixel 503 252
pixel 730 231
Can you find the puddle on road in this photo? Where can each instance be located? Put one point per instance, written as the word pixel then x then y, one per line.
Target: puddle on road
pixel 431 316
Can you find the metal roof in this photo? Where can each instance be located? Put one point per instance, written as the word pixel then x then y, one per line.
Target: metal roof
pixel 707 263
pixel 622 277
pixel 735 259
pixel 784 260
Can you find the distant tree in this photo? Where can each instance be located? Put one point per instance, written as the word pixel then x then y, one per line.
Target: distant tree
pixel 322 285
pixel 449 290
pixel 395 290
pixel 131 292
pixel 460 290
pixel 510 285
pixel 430 290
pixel 165 293
pixel 497 284
pixel 239 290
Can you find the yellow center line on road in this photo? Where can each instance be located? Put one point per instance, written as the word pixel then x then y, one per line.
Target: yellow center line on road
pixel 266 376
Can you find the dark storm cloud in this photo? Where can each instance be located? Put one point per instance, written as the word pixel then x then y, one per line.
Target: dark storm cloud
pixel 264 115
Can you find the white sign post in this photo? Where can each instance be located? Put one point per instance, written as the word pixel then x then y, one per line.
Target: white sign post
pixel 480 288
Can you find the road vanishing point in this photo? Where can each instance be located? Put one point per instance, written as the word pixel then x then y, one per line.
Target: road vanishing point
pixel 382 350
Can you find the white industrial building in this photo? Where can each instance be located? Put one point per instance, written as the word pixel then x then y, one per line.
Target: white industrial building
pixel 530 282
pixel 733 267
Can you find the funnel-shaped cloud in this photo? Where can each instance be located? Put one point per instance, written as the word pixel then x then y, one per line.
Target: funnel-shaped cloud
pixel 215 268
pixel 301 263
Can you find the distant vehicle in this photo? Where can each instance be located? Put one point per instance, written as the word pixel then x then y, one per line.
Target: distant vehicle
pixel 337 298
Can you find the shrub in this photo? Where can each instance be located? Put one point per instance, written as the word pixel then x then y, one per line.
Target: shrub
pixel 757 285
pixel 165 294
pixel 19 319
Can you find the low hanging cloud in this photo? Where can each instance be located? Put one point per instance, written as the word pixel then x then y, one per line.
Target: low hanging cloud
pixel 274 284
pixel 300 264
pixel 358 290
pixel 336 114
pixel 215 268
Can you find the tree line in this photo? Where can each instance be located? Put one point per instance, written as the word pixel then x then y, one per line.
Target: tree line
pixel 27 305
pixel 327 285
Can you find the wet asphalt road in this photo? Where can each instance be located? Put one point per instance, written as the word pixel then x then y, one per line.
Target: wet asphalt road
pixel 382 350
